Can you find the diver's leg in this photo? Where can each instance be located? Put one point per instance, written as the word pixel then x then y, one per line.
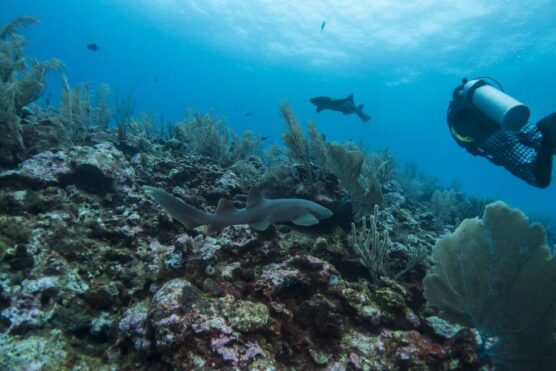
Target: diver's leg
pixel 519 152
pixel 547 126
pixel 542 166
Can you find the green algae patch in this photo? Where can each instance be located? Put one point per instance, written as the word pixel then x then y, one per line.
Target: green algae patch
pixel 49 352
pixel 244 315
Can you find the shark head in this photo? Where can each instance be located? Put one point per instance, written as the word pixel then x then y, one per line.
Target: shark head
pixel 320 212
pixel 320 102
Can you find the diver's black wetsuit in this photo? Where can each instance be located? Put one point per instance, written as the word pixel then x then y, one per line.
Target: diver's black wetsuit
pixel 526 153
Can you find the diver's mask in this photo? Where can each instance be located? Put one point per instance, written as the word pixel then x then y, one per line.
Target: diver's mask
pixel 500 107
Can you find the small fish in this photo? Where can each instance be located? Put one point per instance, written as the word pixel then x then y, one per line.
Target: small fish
pixel 47 101
pixel 248 114
pixel 93 46
pixel 264 138
pixel 322 26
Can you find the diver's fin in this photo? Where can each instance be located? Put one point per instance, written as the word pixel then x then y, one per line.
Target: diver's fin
pixel 224 205
pixel 260 226
pixel 254 198
pixel 306 220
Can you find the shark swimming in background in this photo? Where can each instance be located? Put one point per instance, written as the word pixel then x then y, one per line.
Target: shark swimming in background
pixel 259 212
pixel 346 106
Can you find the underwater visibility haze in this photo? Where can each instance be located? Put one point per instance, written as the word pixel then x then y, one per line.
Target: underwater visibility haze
pixel 274 185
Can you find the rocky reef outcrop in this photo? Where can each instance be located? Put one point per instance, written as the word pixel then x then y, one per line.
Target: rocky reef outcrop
pixel 93 273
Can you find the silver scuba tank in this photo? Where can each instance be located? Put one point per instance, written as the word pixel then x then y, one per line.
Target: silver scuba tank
pixel 499 106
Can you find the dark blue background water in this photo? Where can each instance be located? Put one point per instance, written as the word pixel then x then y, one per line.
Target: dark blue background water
pixel 237 56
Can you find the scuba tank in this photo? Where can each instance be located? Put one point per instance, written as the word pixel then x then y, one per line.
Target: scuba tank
pixel 499 106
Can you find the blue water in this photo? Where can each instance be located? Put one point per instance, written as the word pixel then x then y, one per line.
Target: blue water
pixel 401 61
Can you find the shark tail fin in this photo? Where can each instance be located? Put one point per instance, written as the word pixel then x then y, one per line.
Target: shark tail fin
pixel 363 116
pixel 179 210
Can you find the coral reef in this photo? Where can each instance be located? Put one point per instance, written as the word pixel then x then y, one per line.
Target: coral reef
pixel 98 266
pixel 94 275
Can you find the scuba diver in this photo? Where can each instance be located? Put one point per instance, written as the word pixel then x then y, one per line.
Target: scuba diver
pixel 489 123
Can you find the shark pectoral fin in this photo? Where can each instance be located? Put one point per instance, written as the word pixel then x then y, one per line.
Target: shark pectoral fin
pixel 306 220
pixel 260 226
pixel 319 108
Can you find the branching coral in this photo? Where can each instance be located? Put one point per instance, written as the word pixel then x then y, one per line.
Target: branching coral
pixel 21 82
pixel 346 165
pixel 75 107
pixel 370 245
pixel 319 151
pixel 451 207
pixel 248 144
pixel 297 146
pixel 380 166
pixel 317 158
pixel 101 111
pixel 123 113
pixel 205 135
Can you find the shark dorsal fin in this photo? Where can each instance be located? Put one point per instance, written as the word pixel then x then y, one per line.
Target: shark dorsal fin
pixel 350 97
pixel 254 198
pixel 224 205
